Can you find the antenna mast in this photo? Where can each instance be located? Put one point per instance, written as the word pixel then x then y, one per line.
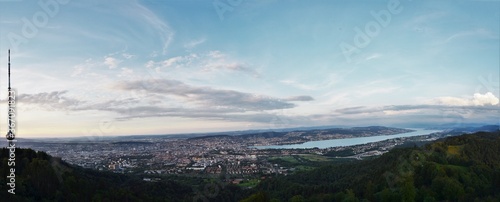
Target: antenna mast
pixel 9 74
pixel 10 134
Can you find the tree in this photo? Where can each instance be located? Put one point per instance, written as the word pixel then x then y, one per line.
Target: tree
pixel 297 198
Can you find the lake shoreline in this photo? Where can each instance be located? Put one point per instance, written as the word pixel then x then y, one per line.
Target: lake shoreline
pixel 322 144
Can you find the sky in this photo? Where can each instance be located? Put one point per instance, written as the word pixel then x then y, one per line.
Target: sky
pixel 129 67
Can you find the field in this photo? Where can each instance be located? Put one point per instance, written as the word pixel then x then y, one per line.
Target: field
pixel 314 157
pixel 249 183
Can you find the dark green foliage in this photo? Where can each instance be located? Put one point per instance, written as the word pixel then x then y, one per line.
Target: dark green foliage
pixel 342 153
pixel 257 197
pixel 40 177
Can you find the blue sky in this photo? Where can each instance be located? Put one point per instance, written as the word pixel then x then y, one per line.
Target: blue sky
pixel 99 68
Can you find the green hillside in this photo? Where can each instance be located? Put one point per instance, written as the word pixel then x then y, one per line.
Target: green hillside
pixel 462 168
pixel 40 177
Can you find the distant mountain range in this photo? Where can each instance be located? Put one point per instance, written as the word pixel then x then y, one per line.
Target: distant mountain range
pixel 308 131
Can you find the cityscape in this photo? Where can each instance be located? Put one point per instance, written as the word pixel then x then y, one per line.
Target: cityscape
pixel 250 101
pixel 234 155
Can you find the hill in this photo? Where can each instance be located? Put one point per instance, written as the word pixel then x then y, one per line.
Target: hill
pixel 461 168
pixel 40 177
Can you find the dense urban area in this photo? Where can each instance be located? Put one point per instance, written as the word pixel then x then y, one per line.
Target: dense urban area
pixel 232 155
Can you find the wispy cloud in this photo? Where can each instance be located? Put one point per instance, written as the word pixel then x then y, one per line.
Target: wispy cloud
pixel 300 98
pixel 299 85
pixel 326 82
pixel 479 108
pixel 209 97
pixel 193 43
pixel 373 56
pixel 199 102
pixel 88 69
pixel 162 28
pixel 212 61
pixel 55 100
pixel 423 23
pixel 428 17
pixel 412 114
pixel 472 33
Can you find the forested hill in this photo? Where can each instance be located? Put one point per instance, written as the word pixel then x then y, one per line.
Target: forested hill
pixel 461 168
pixel 40 177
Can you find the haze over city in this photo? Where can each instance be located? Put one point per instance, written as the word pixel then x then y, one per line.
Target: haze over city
pixel 152 67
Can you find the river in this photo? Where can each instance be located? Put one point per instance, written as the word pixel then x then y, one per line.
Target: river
pixel 348 141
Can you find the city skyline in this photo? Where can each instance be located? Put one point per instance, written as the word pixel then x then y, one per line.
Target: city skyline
pixel 145 67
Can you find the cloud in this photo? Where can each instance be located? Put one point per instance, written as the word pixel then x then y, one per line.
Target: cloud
pixel 50 100
pixel 477 100
pixel 111 62
pixel 452 101
pixel 414 113
pixel 212 61
pixel 128 56
pixel 206 114
pixel 131 24
pixel 373 56
pixel 473 33
pixel 216 60
pixel 175 62
pixel 422 23
pixel 162 28
pixel 356 110
pixel 298 85
pixel 166 98
pixel 195 102
pixel 126 73
pixel 486 99
pixel 404 115
pixel 192 44
pixel 209 97
pixel 300 98
pixel 401 112
pixel 428 17
pixel 364 109
pixel 81 69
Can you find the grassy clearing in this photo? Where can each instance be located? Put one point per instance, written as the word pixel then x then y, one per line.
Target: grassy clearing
pixel 314 157
pixel 289 159
pixel 249 183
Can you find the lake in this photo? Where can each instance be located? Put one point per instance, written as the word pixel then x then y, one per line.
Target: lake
pixel 348 141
